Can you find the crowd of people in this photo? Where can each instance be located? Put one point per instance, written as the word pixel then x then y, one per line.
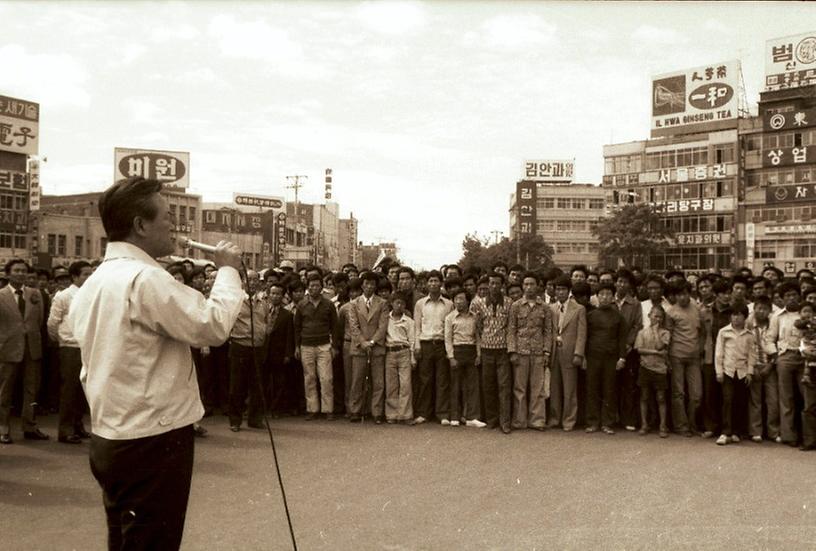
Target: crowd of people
pixel 722 356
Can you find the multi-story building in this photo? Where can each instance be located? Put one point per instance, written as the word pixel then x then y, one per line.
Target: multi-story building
pixel 777 219
pixel 347 242
pixel 370 253
pixel 14 207
pixel 69 227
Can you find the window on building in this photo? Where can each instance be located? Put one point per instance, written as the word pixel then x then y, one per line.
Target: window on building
pixel 723 154
pixel 804 174
pixel 652 161
pixel 78 245
pixel 724 188
pixel 173 214
pixel 803 248
pixel 673 192
pixel 6 202
pixel 61 245
pixel 691 190
pixel 691 224
pixel 797 139
pixel 20 241
pixel 182 219
pixel 578 203
pixel 596 203
pixel 753 143
pixel 770 141
pixel 20 202
pixel 547 225
pixel 5 240
pixel 563 203
pixel 192 217
pixel 563 225
pixel 52 244
pixel 548 203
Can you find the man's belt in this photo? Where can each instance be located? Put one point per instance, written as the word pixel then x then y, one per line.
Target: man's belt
pixel 397 347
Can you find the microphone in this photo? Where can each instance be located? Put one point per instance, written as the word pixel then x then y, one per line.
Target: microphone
pixel 185 242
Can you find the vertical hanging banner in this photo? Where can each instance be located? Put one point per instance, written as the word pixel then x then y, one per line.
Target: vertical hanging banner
pixel 328 184
pixel 34 185
pixel 526 207
pixel 19 126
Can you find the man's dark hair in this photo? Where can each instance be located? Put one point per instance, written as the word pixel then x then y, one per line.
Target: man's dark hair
pixel 579 268
pixel 740 279
pixel 178 268
pixel 456 267
pixel 485 280
pixel 628 276
pixel 607 286
pixel 43 272
pixel 383 283
pixel 516 268
pixel 355 284
pixel 657 279
pixel 434 273
pixel 763 280
pixel 787 286
pixel 406 269
pixel 496 274
pixel 14 261
pixel 721 286
pixel 582 289
pixel 562 281
pixel 370 276
pixel 739 308
pixel 553 273
pixel 350 265
pixel 470 275
pixel 533 275
pixel 453 281
pixel 802 271
pixel 314 277
pixel 511 285
pixel 279 286
pixel 404 296
pixel 75 269
pixel 765 301
pixel 313 268
pixel 124 201
pixel 671 273
pixel 296 285
pixel 497 265
pixel 339 278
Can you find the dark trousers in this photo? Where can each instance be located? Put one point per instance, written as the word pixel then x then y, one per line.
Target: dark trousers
pixel 206 378
pixel 809 416
pixel 31 383
pixel 712 399
pixel 734 405
pixel 145 487
pixel 497 387
pixel 601 403
pixel 434 376
pixel 628 391
pixel 51 378
pixel 464 384
pixel 339 383
pixel 219 358
pixel 72 398
pixel 243 381
pixel 789 369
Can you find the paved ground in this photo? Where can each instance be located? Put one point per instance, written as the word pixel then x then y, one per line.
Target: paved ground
pixel 431 487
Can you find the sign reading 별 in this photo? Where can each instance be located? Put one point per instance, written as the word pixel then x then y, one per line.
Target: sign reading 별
pixel 790 61
pixel 172 168
pixel 694 96
pixel 548 171
pixel 262 201
pixel 19 125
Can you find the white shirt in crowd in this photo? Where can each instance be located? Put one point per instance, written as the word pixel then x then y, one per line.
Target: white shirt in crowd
pixel 135 325
pixel 58 327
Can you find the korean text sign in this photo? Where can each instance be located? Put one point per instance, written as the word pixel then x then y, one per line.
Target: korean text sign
pixel 172 168
pixel 19 126
pixel 790 61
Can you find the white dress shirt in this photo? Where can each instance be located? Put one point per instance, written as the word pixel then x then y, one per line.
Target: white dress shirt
pixel 58 327
pixel 135 325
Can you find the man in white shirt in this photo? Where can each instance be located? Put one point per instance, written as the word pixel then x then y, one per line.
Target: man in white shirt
pixel 135 325
pixel 72 401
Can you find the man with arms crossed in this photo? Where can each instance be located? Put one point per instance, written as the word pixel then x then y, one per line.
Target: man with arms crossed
pixel 135 325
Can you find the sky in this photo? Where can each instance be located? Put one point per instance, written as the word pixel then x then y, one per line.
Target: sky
pixel 425 111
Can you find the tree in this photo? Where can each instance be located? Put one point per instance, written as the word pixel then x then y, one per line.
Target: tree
pixel 632 234
pixel 531 250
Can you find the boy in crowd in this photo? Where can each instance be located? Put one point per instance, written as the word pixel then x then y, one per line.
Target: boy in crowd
pixel 734 360
pixel 687 347
pixel 492 313
pixel 652 344
pixel 399 360
pixel 570 327
pixel 514 291
pixel 765 386
pixel 529 341
pixel 462 347
pixel 606 354
pixel 807 327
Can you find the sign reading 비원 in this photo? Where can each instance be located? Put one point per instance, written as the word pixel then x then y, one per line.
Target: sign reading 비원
pixel 701 95
pixel 790 61
pixel 526 207
pixel 547 170
pixel 260 201
pixel 19 125
pixel 172 168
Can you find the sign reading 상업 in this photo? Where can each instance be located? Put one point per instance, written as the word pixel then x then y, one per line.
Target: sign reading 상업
pixel 696 96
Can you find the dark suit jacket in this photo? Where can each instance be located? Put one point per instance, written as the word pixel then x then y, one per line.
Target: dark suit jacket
pixel 282 336
pixel 15 331
pixel 368 324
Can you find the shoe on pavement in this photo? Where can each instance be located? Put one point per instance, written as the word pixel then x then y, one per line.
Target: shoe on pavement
pixel 454 423
pixel 722 440
pixel 82 433
pixel 664 433
pixel 445 422
pixel 607 430
pixel 735 439
pixel 6 439
pixel 35 434
pixel 778 439
pixel 630 428
pixel 707 434
pixel 70 439
pixel 506 430
pixel 643 431
pixel 378 420
pixel 355 419
pixel 757 439
pixel 199 431
pixel 591 429
pixel 419 420
pixel 235 428
pixel 311 416
pixel 476 423
pixel 330 417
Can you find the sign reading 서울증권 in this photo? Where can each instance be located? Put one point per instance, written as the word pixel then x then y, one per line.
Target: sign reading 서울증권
pixel 547 170
pixel 526 207
pixel 172 168
pixel 19 125
pixel 261 201
pixel 699 95
pixel 790 61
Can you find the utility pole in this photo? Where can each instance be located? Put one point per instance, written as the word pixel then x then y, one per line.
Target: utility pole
pixel 496 234
pixel 296 185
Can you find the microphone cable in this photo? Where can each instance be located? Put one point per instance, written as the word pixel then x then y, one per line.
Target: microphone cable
pixel 259 383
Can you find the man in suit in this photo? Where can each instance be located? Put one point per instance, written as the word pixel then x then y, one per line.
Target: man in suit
pixel 632 312
pixel 569 321
pixel 21 319
pixel 281 331
pixel 368 323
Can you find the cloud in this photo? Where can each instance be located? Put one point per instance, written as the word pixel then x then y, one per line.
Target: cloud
pixel 142 111
pixel 53 80
pixel 175 33
pixel 649 35
pixel 259 41
pixel 513 32
pixel 392 18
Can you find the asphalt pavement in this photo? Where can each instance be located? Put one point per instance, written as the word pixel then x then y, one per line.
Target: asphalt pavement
pixel 359 487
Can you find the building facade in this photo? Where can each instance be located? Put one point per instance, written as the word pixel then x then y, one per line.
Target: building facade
pixel 777 218
pixel 370 253
pixel 347 242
